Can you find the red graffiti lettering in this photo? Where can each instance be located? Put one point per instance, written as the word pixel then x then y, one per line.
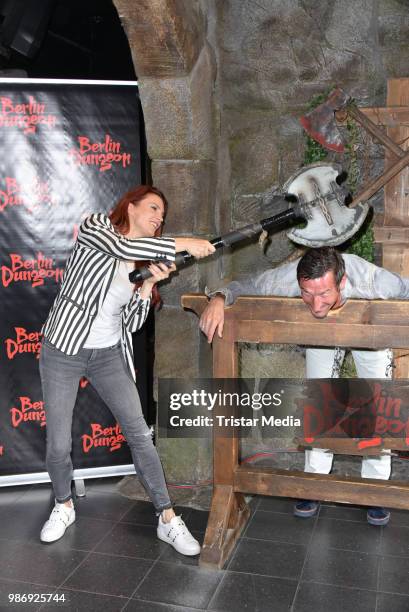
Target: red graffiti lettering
pixel 30 195
pixel 110 437
pixel 24 342
pixel 31 270
pixel 102 154
pixel 28 411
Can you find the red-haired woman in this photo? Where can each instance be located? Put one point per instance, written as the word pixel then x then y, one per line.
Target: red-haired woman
pixel 88 333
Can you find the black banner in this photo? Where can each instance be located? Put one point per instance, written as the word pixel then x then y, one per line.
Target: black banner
pixel 68 150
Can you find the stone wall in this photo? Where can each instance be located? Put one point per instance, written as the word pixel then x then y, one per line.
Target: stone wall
pixel 223 84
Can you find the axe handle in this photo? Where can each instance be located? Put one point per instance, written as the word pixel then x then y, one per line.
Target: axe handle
pixel 248 231
pixel 373 129
pixel 379 182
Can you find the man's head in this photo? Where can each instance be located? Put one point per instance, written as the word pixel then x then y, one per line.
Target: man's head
pixel 321 277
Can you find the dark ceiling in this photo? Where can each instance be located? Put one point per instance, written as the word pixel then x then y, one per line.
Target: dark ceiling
pixel 83 39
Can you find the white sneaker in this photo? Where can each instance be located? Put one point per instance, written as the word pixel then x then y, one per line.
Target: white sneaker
pixel 61 517
pixel 178 535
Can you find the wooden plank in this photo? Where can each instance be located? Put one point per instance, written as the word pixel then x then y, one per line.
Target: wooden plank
pixel 359 336
pixel 389 116
pixel 351 446
pixel 229 511
pixel 323 487
pixel 395 257
pixel 397 190
pixel 228 516
pixel 392 235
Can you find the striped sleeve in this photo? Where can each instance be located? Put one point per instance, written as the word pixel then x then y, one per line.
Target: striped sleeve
pixel 98 233
pixel 135 312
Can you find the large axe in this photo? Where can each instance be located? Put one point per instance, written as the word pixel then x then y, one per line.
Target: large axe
pixel 320 124
pixel 317 197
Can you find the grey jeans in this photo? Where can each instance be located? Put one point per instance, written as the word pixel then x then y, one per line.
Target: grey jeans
pixel 106 371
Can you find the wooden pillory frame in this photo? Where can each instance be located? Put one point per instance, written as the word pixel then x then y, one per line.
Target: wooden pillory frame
pixel 364 324
pixel 374 324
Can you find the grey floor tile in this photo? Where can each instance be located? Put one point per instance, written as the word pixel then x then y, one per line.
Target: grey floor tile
pixel 394 575
pixel 104 485
pixel 268 558
pixel 247 592
pixel 395 540
pixel 131 540
pixel 143 513
pixel 342 568
pixel 24 525
pixel 328 598
pixel 279 527
pixel 9 495
pixel 386 602
pixel 179 585
pixel 344 512
pixel 399 517
pixel 77 601
pixel 196 520
pixel 277 504
pixel 108 575
pixel 37 563
pixel 84 534
pixel 149 606
pixel 11 593
pixel 348 535
pixel 98 504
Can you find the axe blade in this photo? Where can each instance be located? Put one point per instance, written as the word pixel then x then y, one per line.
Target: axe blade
pixel 329 221
pixel 320 122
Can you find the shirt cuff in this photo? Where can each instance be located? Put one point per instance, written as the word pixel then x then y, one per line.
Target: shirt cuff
pixel 228 296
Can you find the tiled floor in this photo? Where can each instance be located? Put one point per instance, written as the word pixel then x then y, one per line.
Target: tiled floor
pixel 110 559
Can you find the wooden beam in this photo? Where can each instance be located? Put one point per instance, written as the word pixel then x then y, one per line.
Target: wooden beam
pixel 359 323
pixel 392 234
pixel 323 487
pixel 390 116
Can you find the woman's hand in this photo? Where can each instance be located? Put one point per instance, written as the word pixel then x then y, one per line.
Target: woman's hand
pixel 159 271
pixel 195 246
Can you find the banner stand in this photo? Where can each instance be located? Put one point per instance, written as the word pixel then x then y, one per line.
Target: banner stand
pixel 70 148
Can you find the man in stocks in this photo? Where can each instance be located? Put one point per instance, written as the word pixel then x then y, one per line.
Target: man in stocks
pixel 324 279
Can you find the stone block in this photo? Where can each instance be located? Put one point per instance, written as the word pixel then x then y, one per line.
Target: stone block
pixel 271 361
pixel 178 112
pixel 254 155
pixel 283 54
pixel 165 36
pixel 186 460
pixel 186 280
pixel 190 187
pixel 396 61
pixel 176 343
pixel 394 31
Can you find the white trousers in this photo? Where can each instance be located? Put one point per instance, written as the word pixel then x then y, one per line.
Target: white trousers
pixel 326 363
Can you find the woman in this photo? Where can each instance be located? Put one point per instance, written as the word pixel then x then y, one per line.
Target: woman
pixel 88 333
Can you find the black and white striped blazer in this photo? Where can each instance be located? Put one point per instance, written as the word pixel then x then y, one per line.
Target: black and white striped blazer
pixel 88 275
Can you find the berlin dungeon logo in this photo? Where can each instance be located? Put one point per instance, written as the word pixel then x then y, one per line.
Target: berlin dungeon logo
pixel 32 270
pixel 25 116
pixel 27 411
pixel 30 195
pixel 363 409
pixel 101 154
pixel 111 438
pixel 23 342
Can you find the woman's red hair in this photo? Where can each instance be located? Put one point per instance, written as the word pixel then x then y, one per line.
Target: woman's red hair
pixel 120 220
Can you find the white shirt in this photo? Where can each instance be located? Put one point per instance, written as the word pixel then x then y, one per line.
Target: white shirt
pixel 106 328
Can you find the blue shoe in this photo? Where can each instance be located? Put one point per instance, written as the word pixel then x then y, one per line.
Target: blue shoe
pixel 378 516
pixel 306 508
